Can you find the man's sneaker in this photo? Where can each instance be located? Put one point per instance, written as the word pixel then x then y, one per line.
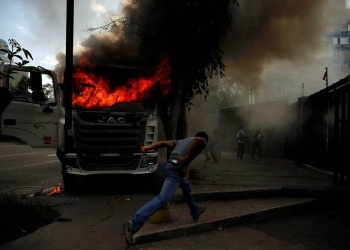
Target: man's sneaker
pixel 201 210
pixel 128 231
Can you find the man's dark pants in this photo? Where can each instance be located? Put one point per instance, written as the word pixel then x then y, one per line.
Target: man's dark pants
pixel 256 145
pixel 240 150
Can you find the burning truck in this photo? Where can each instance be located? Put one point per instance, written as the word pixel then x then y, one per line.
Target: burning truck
pixel 114 113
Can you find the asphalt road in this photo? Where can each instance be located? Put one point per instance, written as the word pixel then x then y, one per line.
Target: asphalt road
pixel 21 165
pixel 100 206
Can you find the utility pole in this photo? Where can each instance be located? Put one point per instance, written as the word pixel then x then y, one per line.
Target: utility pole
pixel 68 73
pixel 250 96
pixel 327 133
pixel 300 143
pixel 301 109
pixel 302 90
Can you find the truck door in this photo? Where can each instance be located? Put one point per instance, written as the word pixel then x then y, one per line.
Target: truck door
pixel 34 112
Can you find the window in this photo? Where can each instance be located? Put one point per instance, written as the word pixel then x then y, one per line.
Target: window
pixel 21 91
pixel 347 4
pixel 48 89
pixel 344 40
pixel 336 40
pixel 20 86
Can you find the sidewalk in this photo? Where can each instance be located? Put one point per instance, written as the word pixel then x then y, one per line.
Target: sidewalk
pixel 239 191
pixel 248 173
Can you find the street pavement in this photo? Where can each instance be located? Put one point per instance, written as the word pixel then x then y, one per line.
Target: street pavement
pixel 251 204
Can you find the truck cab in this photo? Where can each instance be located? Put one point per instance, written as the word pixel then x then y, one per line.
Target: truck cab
pixel 102 140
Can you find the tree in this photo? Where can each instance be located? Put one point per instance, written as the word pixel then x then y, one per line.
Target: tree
pixel 192 33
pixel 12 53
pixel 48 90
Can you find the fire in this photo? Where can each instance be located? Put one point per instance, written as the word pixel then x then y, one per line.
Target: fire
pixel 57 190
pixel 93 90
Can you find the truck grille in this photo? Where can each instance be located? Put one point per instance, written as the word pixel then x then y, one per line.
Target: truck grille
pixel 110 142
pixel 93 133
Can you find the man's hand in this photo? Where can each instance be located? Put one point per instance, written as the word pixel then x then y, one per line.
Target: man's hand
pixel 144 149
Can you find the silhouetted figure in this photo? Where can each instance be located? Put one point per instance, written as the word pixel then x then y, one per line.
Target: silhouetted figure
pixel 212 144
pixel 241 140
pixel 257 141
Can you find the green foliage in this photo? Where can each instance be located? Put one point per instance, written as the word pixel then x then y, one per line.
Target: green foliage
pixel 13 53
pixel 48 90
pixel 22 87
pixel 22 216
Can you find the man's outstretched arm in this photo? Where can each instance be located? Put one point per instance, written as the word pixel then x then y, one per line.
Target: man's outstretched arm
pixel 196 147
pixel 160 144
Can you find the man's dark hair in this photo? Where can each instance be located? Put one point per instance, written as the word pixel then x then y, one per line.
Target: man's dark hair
pixel 202 134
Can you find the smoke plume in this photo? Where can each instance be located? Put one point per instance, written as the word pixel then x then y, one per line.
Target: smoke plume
pixel 118 46
pixel 265 31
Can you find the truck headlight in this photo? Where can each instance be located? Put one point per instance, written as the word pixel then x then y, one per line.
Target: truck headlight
pixel 148 161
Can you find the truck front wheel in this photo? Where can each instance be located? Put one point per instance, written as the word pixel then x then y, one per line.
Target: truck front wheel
pixel 69 180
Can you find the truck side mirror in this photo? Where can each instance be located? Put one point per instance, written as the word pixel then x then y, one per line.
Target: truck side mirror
pixel 36 82
pixel 38 96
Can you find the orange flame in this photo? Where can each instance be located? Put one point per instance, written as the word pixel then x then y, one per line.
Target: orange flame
pixel 57 190
pixel 95 91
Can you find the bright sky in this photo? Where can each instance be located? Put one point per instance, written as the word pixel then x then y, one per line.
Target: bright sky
pixel 40 25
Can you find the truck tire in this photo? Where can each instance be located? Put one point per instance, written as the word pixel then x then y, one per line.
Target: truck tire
pixel 69 180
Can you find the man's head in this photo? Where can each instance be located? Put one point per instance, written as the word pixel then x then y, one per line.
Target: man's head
pixel 241 128
pixel 202 134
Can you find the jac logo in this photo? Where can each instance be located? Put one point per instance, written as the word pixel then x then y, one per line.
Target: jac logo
pixel 121 120
pixel 112 120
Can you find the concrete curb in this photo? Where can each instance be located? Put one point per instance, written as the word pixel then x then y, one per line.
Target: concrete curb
pixel 321 193
pixel 226 222
pixel 317 170
pixel 313 168
pixel 229 195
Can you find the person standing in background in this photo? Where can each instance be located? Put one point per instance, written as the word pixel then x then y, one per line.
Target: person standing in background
pixel 257 140
pixel 212 144
pixel 241 140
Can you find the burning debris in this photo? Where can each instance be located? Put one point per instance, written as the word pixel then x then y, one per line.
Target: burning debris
pixel 56 190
